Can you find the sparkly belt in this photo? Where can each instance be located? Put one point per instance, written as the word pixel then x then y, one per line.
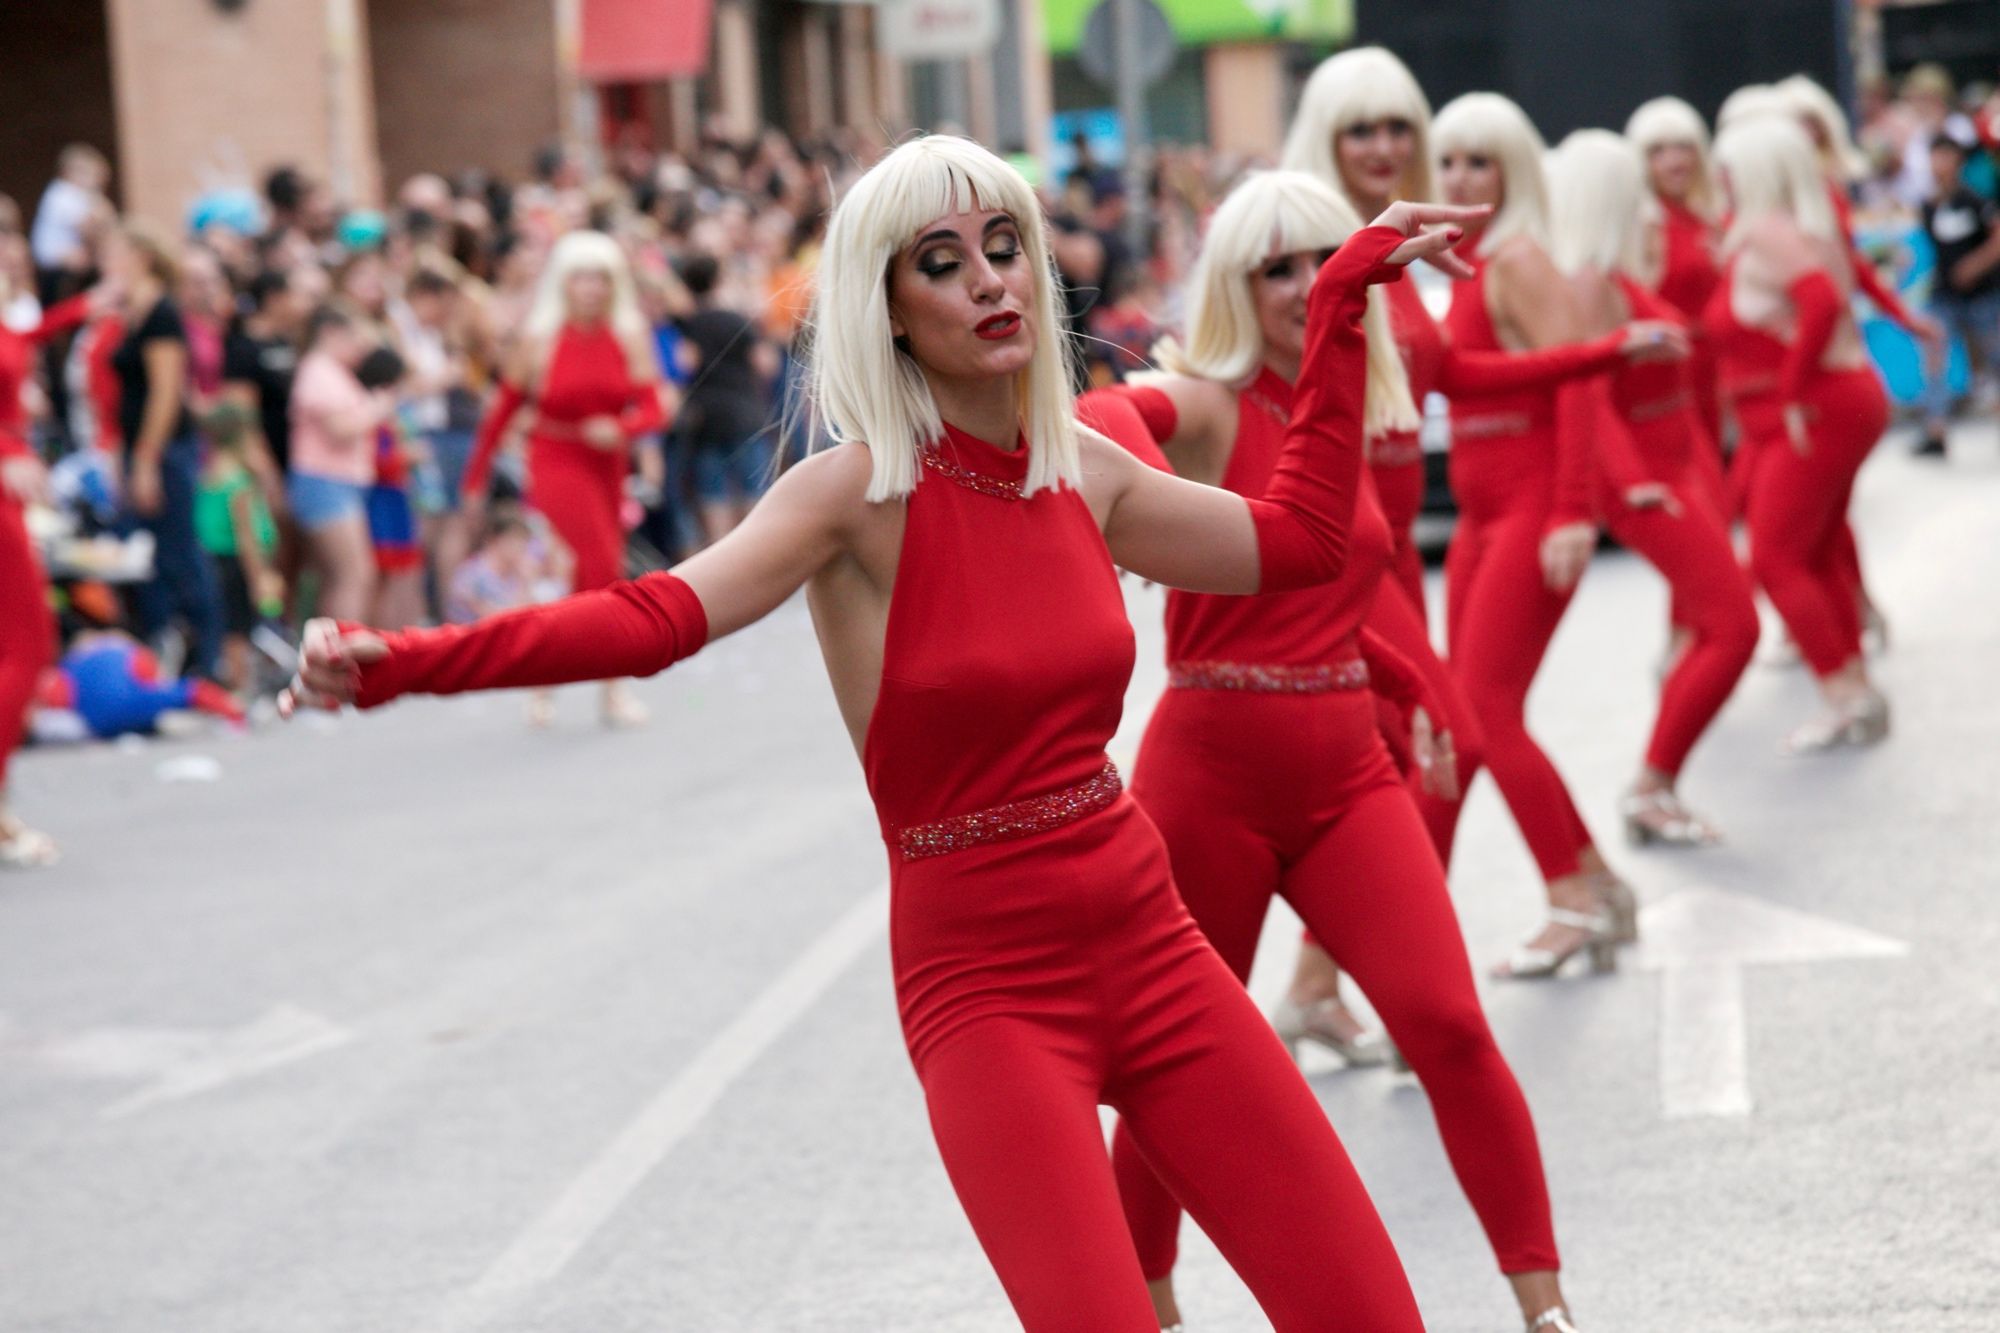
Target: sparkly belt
pixel 1395 451
pixel 1657 408
pixel 1492 425
pixel 1251 678
pixel 1017 819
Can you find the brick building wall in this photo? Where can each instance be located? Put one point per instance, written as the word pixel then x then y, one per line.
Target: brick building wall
pixel 461 83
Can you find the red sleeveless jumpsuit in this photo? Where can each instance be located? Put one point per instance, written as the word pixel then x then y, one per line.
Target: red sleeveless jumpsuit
pixel 1266 774
pixel 27 625
pixel 1801 550
pixel 1044 963
pixel 1516 477
pixel 1658 410
pixel 577 486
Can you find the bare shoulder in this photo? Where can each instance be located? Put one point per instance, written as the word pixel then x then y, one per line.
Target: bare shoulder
pixel 833 481
pixel 1520 259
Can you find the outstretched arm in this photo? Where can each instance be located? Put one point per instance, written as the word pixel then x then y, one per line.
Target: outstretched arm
pixel 1295 535
pixel 629 629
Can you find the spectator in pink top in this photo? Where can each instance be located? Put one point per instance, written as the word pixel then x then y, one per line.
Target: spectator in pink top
pixel 334 420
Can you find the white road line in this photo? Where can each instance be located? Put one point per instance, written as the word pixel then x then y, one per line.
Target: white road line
pixel 541 1250
pixel 1704 1066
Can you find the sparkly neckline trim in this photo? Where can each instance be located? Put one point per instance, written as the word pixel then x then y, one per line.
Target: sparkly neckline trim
pixel 998 487
pixel 1017 819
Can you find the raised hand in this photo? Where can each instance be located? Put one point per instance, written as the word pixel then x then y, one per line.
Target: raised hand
pixel 1433 230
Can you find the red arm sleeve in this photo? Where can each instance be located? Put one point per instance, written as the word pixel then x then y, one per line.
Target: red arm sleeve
pixel 1818 303
pixel 634 628
pixel 1871 285
pixel 61 317
pixel 1579 417
pixel 646 412
pixel 1391 676
pixel 1115 413
pixel 1485 371
pixel 1304 514
pixel 492 427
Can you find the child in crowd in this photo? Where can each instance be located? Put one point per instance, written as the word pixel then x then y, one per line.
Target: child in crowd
pixel 235 528
pixel 1964 229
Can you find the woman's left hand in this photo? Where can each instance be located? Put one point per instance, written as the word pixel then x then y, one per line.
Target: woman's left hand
pixel 603 432
pixel 1437 763
pixel 24 478
pixel 1433 230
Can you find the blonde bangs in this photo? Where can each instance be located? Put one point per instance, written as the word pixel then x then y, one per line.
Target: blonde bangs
pixel 1809 100
pixel 1355 88
pixel 1276 213
pixel 1669 122
pixel 867 390
pixel 1492 126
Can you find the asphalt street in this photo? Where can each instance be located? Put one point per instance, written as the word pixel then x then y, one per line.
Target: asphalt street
pixel 422 1022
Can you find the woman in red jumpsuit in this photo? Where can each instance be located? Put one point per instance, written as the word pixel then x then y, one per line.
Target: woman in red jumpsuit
pixel 27 628
pixel 1363 127
pixel 1796 376
pixel 960 566
pixel 588 371
pixel 1833 142
pixel 1597 187
pixel 1524 471
pixel 1263 766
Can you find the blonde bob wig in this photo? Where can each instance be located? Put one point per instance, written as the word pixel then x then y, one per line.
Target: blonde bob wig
pixel 1669 122
pixel 1837 153
pixel 868 390
pixel 1492 126
pixel 1355 88
pixel 1276 213
pixel 1749 102
pixel 581 252
pixel 1769 166
pixel 1597 204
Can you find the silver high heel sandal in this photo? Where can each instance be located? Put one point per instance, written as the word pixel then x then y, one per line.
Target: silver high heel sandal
pixel 1659 817
pixel 1555 1319
pixel 1530 962
pixel 1620 904
pixel 1863 721
pixel 1295 1026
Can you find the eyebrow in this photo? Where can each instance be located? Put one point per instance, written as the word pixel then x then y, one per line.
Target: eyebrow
pixel 947 234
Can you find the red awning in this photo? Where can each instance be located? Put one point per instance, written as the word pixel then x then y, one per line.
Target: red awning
pixel 640 41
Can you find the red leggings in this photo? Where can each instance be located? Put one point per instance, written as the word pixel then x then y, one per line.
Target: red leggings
pixel 1499 618
pixel 1801 548
pixel 578 489
pixel 1040 978
pixel 1711 600
pixel 27 631
pixel 1295 794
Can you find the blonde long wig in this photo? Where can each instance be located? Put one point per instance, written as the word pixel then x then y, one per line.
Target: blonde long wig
pixel 868 390
pixel 1770 167
pixel 1277 213
pixel 1492 126
pixel 1597 204
pixel 579 252
pixel 1354 88
pixel 1809 101
pixel 1669 122
pixel 1749 102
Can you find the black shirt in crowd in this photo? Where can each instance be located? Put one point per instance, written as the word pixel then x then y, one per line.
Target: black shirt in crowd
pixel 162 322
pixel 268 364
pixel 1959 224
pixel 726 402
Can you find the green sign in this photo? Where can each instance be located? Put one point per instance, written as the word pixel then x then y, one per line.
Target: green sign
pixel 1207 22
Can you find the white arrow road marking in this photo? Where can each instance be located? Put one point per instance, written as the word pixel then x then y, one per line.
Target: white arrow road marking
pixel 622 1165
pixel 1700 940
pixel 185 1062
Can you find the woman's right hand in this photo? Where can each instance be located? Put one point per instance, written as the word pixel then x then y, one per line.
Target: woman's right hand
pixel 1433 230
pixel 1655 340
pixel 330 663
pixel 1566 554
